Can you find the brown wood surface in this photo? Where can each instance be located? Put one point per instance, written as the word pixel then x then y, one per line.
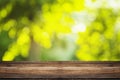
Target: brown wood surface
pixel 60 69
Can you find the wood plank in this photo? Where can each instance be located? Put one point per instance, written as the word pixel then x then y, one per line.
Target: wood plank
pixel 66 69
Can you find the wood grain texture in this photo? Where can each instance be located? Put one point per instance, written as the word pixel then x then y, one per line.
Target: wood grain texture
pixel 60 69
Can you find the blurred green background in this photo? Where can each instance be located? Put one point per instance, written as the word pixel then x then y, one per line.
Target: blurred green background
pixel 59 30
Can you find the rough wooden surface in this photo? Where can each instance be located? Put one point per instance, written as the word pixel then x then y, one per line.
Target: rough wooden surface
pixel 60 70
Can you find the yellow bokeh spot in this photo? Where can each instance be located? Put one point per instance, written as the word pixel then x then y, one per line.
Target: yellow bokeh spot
pixel 23 42
pixel 109 33
pixel 24 50
pixel 45 40
pixel 82 55
pixel 55 8
pixel 68 21
pixel 98 26
pixel 95 39
pixel 9 24
pixel 23 37
pixel 12 33
pixel 8 57
pixel 78 5
pixel 63 29
pixel 11 53
pixel 3 13
pixel 24 20
pixel 41 37
pixel 67 7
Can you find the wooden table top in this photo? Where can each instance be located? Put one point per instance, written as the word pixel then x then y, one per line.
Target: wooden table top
pixel 65 69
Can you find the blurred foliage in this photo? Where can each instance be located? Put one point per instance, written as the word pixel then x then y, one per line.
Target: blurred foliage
pixel 44 30
pixel 100 41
